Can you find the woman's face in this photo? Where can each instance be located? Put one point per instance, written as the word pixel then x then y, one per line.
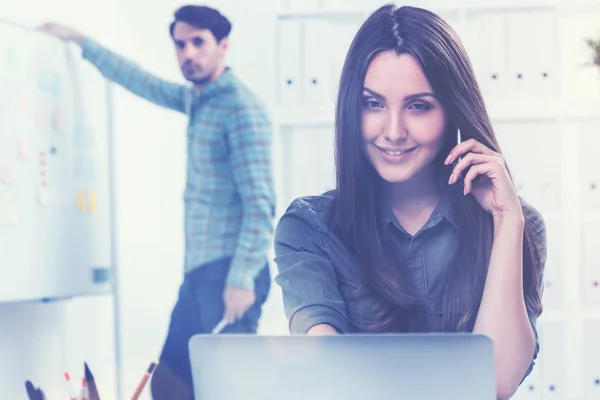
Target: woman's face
pixel 403 121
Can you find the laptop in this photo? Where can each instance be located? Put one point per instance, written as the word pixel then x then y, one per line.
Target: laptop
pixel 343 367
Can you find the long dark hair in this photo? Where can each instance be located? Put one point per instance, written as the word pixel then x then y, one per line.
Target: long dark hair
pixel 357 205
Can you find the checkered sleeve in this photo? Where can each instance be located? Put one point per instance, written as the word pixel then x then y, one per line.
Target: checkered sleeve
pixel 133 78
pixel 249 137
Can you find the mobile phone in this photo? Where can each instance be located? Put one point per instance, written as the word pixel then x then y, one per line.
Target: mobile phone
pixel 461 177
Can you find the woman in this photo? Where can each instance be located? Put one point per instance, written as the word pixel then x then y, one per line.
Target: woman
pixel 421 233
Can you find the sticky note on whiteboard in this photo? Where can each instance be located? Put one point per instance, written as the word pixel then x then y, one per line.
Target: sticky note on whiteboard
pixel 24 149
pixel 80 201
pixel 58 123
pixel 25 100
pixel 93 203
pixel 41 118
pixel 7 174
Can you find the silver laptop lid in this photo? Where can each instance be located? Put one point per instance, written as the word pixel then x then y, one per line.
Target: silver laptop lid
pixel 343 367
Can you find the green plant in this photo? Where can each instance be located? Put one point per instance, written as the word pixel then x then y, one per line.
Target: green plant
pixel 595 46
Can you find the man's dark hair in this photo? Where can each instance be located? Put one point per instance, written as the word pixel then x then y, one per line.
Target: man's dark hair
pixel 203 17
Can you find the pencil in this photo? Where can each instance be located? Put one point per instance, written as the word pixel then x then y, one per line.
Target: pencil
pixel 142 384
pixel 72 395
pixel 83 395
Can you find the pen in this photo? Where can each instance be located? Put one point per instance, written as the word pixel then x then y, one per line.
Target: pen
pixel 220 326
pixel 142 384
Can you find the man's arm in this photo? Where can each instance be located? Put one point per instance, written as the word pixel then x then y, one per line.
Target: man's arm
pixel 123 71
pixel 249 136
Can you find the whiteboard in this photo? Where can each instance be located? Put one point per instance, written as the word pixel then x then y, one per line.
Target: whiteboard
pixel 55 216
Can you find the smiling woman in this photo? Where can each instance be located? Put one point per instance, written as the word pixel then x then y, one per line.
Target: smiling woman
pixel 397 100
pixel 398 246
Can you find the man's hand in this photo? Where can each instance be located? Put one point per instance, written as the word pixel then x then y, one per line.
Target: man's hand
pixel 63 32
pixel 237 301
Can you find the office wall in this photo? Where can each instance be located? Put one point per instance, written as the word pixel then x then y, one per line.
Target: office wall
pixel 41 340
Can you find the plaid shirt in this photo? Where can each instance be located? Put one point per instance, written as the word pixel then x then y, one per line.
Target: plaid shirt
pixel 229 195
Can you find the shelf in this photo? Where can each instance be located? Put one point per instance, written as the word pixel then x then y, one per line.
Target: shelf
pixel 350 13
pixel 580 4
pixel 323 13
pixel 509 5
pixel 505 109
pixel 561 315
pixel 590 217
pixel 299 115
pixel 467 6
pixel 582 108
pixel 496 5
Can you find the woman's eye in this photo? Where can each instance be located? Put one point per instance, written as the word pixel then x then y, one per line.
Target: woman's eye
pixel 420 107
pixel 372 104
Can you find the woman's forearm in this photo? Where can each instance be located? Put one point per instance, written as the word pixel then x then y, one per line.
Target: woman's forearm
pixel 322 329
pixel 502 314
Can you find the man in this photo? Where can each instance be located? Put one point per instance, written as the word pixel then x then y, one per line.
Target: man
pixel 229 195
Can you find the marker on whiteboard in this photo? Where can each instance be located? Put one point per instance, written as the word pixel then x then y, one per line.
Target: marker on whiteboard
pixel 7 174
pixel 93 203
pixel 80 201
pixel 24 149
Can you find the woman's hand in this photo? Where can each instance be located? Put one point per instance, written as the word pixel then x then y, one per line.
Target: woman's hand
pixel 493 190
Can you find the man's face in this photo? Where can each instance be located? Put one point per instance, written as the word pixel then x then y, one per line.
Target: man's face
pixel 200 57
